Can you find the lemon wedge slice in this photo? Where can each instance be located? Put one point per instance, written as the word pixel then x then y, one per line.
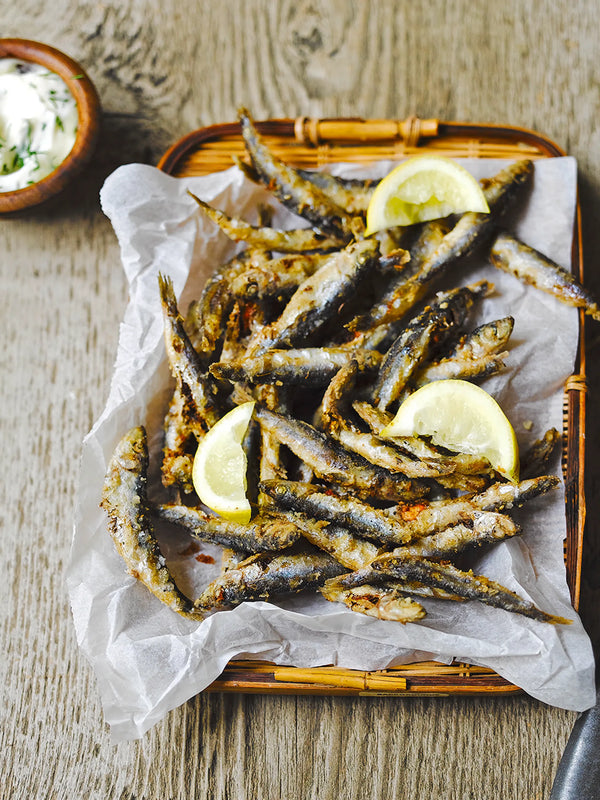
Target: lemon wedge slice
pixel 461 417
pixel 423 188
pixel 220 465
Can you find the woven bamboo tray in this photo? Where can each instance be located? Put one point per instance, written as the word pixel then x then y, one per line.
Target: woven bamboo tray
pixel 313 143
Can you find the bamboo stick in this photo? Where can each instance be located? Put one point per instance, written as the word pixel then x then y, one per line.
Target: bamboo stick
pixel 332 676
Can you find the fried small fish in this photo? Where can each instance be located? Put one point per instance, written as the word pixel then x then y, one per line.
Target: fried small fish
pixel 284 241
pixel 295 192
pixel 473 229
pixel 308 366
pixel 206 318
pixel 271 465
pixel 265 575
pixel 477 355
pixel 330 461
pixel 318 299
pixel 266 532
pixel 196 387
pixel 335 405
pixel 385 454
pixel 465 584
pixel 420 335
pixel 485 528
pixel 408 287
pixel 124 498
pixel 446 581
pixel 377 601
pixel 350 550
pixel 367 576
pixel 450 463
pixel 534 268
pixel 346 512
pixel 426 517
pixel 351 194
pixel 179 446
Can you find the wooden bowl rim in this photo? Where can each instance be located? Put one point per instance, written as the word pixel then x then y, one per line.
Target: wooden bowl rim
pixel 88 109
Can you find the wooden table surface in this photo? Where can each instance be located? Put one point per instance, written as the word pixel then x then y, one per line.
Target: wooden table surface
pixel 163 68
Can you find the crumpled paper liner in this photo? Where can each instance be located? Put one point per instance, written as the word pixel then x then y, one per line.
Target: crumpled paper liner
pixel 146 658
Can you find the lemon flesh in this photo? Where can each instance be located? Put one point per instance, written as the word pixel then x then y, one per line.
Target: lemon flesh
pixel 220 466
pixel 461 417
pixel 423 188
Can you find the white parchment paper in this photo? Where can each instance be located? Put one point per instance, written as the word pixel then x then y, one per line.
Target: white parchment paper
pixel 146 658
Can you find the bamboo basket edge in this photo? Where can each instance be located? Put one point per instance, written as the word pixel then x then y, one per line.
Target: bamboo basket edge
pixel 312 143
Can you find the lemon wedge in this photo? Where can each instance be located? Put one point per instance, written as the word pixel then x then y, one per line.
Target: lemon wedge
pixel 423 188
pixel 220 465
pixel 461 417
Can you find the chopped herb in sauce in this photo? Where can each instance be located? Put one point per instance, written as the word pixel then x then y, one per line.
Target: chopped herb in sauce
pixel 38 123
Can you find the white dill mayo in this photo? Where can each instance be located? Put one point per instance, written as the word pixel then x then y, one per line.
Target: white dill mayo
pixel 38 123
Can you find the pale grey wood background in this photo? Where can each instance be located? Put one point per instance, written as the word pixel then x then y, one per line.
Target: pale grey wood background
pixel 163 68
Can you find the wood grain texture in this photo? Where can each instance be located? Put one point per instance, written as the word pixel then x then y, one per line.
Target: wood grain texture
pixel 162 69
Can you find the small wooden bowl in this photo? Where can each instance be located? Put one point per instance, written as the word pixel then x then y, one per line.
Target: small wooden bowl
pixel 88 106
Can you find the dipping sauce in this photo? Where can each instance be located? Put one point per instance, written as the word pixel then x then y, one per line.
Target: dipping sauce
pixel 38 123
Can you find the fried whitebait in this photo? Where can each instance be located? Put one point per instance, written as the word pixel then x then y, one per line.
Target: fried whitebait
pixel 318 299
pixel 462 471
pixel 473 229
pixel 377 601
pixel 405 291
pixel 385 454
pixel 330 461
pixel 335 405
pixel 485 528
pixel 124 498
pixel 534 268
pixel 535 461
pixel 420 335
pixel 437 249
pixel 465 584
pixel 179 446
pixel 263 576
pixel 368 576
pixel 347 512
pixel 295 192
pixel 264 532
pixel 351 194
pixel 425 517
pixel 477 355
pixel 419 448
pixel 290 241
pixel 308 366
pixel 206 318
pixel 350 550
pixel 196 387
